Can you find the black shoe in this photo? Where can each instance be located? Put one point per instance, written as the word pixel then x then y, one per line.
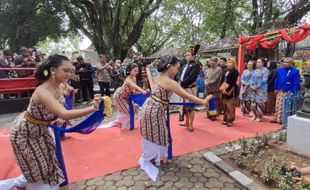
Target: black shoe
pixel 284 170
pixel 295 173
pixel 212 118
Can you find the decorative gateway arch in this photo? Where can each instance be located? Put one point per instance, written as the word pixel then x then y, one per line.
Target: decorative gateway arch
pixel 269 41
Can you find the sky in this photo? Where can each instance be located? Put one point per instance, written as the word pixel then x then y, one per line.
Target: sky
pixel 84 43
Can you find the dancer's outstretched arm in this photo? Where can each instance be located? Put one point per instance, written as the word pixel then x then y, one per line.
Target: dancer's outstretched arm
pixel 135 86
pixel 173 86
pixel 44 97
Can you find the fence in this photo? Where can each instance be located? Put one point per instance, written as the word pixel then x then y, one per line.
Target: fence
pixel 17 85
pixel 291 103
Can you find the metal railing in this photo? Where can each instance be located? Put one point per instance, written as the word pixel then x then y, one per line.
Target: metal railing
pixel 13 85
pixel 292 102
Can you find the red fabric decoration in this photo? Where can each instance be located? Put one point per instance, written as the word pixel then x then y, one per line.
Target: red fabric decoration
pixel 243 39
pixel 250 43
pixel 296 36
pixel 16 85
pixel 240 62
pixel 269 45
pixel 300 34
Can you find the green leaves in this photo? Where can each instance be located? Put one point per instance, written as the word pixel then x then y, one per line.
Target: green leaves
pixel 113 26
pixel 25 23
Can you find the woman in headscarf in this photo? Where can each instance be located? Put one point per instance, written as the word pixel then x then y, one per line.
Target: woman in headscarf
pixel 271 103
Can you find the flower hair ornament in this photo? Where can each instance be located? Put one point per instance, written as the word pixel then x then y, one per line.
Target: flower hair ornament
pixel 45 72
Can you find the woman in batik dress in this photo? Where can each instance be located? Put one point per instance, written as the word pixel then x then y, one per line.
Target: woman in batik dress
pixel 153 121
pixel 32 142
pixel 245 91
pixel 258 84
pixel 121 96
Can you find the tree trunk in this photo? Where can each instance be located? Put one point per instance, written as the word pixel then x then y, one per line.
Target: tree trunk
pixel 113 26
pixel 227 15
pixel 290 49
pixel 254 16
pixel 298 11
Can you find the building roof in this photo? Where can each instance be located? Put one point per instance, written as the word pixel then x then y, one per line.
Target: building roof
pixel 161 52
pixel 222 45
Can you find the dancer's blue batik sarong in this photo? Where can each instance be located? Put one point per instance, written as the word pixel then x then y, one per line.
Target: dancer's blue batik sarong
pixel 139 99
pixel 87 126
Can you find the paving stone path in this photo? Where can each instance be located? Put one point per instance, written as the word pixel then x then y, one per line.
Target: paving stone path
pixel 190 171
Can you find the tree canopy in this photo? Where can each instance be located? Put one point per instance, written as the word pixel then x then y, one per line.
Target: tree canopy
pixel 26 22
pixel 206 21
pixel 115 26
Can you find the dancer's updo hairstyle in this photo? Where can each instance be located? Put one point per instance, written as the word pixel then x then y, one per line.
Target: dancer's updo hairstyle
pixel 130 67
pixel 165 62
pixel 43 72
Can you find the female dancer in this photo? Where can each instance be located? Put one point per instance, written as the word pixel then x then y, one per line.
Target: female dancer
pixel 32 143
pixel 246 92
pixel 259 85
pixel 121 96
pixel 153 127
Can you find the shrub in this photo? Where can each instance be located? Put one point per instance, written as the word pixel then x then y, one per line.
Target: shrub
pixel 270 171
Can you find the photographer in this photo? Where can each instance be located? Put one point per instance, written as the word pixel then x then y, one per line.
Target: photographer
pixel 85 71
pixel 116 75
pixel 4 63
pixel 103 75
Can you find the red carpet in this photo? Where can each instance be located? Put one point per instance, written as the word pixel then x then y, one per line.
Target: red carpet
pixel 109 150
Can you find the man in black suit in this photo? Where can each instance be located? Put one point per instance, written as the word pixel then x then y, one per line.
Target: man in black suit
pixel 188 75
pixel 85 72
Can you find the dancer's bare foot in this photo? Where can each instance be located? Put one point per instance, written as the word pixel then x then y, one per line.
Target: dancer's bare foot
pixel 119 125
pixel 164 161
pixel 184 124
pixel 258 120
pixel 20 188
pixel 253 118
pixel 65 137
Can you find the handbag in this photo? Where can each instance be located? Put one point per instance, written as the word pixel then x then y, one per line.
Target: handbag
pixel 224 87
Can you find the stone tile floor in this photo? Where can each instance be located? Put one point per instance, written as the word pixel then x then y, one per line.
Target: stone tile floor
pixel 189 171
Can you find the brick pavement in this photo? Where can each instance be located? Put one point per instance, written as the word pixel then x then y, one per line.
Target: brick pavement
pixel 189 171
